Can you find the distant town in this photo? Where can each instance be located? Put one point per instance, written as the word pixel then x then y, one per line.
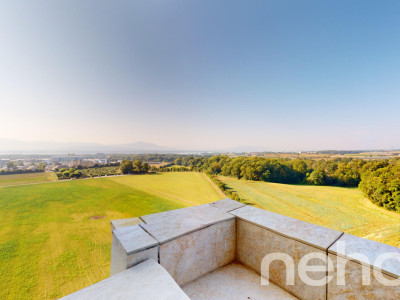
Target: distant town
pixel 51 163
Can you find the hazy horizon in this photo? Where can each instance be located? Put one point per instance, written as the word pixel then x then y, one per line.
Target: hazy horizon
pixel 53 148
pixel 284 75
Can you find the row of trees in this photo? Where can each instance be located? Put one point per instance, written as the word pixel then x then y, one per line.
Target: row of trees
pixel 173 168
pixel 126 167
pixel 17 171
pixel 134 167
pixel 65 173
pixel 228 192
pixel 12 168
pixel 340 172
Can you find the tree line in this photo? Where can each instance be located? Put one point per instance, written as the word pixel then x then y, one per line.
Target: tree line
pixel 134 167
pixel 77 173
pixel 12 168
pixel 126 167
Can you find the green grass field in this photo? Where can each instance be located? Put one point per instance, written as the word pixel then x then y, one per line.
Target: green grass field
pixel 29 178
pixel 344 209
pixel 176 167
pixel 55 238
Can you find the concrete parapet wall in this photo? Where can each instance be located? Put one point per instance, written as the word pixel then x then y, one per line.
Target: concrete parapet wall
pixel 192 242
pixel 363 269
pixel 191 256
pixel 189 242
pixel 255 242
pixel 260 233
pixel 130 246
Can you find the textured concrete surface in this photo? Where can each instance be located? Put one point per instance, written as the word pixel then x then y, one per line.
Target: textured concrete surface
pixel 308 233
pixel 349 246
pixel 124 222
pixel 353 287
pixel 197 246
pixel 172 224
pixel 138 257
pixel 254 243
pixel 232 282
pixel 145 281
pixel 196 254
pixel 120 260
pixel 130 246
pixel 134 238
pixel 227 204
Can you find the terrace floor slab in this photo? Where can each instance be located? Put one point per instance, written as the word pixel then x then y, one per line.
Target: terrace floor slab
pixel 233 282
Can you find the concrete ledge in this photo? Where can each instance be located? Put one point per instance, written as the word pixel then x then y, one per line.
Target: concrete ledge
pixel 170 225
pixel 351 275
pixel 350 247
pixel 134 239
pixel 227 204
pixel 145 281
pixel 311 234
pixel 130 246
pixel 125 222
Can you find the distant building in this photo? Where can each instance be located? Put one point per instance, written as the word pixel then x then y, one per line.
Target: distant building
pixel 103 161
pixel 74 161
pixel 66 158
pixel 86 163
pixel 3 162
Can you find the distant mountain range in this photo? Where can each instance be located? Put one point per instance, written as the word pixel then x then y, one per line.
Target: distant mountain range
pixel 245 149
pixel 10 146
pixel 14 146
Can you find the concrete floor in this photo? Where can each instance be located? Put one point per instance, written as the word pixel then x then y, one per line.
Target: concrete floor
pixel 233 282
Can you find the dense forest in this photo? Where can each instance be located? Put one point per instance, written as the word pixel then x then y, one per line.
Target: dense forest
pixel 378 179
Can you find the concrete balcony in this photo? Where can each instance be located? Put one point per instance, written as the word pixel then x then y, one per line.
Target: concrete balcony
pixel 228 250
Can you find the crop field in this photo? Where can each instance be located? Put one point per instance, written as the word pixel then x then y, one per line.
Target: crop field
pixel 55 238
pixel 344 209
pixel 29 178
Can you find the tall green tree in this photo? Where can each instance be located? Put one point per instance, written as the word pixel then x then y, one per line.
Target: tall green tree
pixel 126 167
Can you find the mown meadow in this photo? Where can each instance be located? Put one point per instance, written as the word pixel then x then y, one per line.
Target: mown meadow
pixel 27 178
pixel 340 208
pixel 55 238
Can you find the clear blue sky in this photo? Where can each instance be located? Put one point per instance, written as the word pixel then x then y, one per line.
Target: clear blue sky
pixel 285 75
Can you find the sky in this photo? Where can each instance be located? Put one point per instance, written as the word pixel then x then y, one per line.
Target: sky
pixel 283 75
